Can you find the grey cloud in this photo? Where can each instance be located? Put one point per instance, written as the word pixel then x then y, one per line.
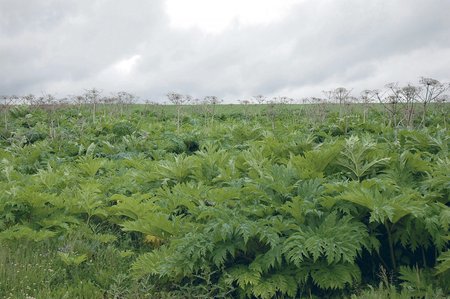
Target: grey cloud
pixel 66 46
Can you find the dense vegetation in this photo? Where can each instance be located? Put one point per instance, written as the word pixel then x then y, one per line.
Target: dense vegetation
pixel 203 201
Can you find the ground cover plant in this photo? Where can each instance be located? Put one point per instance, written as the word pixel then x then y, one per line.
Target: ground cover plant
pixel 277 200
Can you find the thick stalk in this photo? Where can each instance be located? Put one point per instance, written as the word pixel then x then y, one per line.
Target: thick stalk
pixel 424 258
pixel 6 119
pixel 424 112
pixel 391 246
pixel 178 119
pixel 93 113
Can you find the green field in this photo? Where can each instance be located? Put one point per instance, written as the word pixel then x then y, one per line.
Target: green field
pixel 224 201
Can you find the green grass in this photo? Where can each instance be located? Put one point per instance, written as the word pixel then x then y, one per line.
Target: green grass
pixel 37 270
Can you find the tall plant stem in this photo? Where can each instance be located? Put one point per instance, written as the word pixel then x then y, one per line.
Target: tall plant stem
pixel 391 246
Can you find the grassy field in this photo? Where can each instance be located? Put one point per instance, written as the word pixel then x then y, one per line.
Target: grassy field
pixel 224 201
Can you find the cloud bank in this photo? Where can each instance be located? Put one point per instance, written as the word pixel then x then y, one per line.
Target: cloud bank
pixel 233 50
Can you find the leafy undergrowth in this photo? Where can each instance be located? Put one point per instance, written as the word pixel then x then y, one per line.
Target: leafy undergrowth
pixel 241 207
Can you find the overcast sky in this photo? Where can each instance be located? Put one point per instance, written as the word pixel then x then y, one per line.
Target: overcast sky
pixel 233 49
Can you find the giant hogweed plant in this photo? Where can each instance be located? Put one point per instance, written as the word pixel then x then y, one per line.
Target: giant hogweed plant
pixel 255 212
pixel 252 246
pixel 262 256
pixel 288 229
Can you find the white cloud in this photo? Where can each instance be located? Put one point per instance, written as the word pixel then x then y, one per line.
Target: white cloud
pixel 126 66
pixel 215 16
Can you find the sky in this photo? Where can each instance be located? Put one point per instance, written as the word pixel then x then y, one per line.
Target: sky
pixel 233 49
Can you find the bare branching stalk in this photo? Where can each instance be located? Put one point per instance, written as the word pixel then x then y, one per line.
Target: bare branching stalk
pixel 340 95
pixel 367 97
pixel 390 100
pixel 212 101
pixel 30 100
pixel 260 100
pixel 124 99
pixel 271 113
pixel 5 104
pixel 178 100
pixel 442 104
pixel 92 97
pixel 408 96
pixel 348 102
pixel 245 104
pixel 319 108
pixel 432 89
